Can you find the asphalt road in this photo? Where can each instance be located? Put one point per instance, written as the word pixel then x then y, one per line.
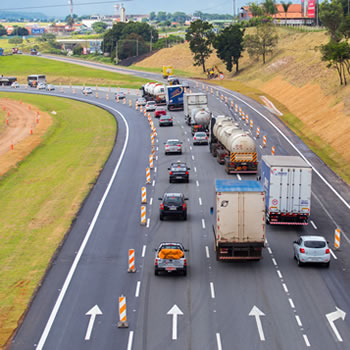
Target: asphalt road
pixel 215 298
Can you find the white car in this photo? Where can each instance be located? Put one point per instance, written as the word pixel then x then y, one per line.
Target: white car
pixel 150 106
pixel 15 85
pixel 41 86
pixel 141 101
pixel 173 146
pixel 50 87
pixel 200 138
pixel 87 91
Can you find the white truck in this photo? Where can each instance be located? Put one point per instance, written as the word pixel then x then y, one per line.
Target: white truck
pixel 239 229
pixel 197 100
pixel 287 182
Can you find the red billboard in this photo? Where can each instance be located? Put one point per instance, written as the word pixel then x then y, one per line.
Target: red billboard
pixel 311 9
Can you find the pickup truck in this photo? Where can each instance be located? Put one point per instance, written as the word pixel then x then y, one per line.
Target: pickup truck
pixel 170 257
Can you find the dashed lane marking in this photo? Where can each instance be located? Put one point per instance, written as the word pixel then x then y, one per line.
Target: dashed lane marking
pixel 131 337
pixel 138 285
pixel 279 274
pixel 148 222
pixel 285 287
pixel 212 291
pixel 306 339
pixel 203 224
pixel 195 169
pixel 218 341
pixel 291 303
pixel 151 201
pixel 207 251
pixel 313 224
pixel 260 146
pixel 192 157
pixel 274 261
pixel 334 256
pixel 197 183
pixel 153 183
pixel 155 169
pixel 269 250
pixel 200 200
pixel 143 251
pixel 239 177
pixel 191 148
pixel 298 321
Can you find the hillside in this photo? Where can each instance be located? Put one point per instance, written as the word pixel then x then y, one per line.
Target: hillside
pixel 315 106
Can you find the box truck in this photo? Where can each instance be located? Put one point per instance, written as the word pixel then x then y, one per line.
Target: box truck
pixel 239 228
pixel 175 97
pixel 198 100
pixel 287 182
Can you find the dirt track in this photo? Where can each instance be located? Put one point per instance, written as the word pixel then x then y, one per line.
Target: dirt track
pixel 24 130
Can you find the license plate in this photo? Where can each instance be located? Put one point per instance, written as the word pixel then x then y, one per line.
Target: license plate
pixel 179 177
pixel 170 269
pixel 172 208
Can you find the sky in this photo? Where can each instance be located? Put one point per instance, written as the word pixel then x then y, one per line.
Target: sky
pixel 132 7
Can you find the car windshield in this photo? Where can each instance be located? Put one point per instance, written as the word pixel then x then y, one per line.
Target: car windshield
pixel 178 168
pixel 200 134
pixel 151 103
pixel 173 200
pixel 173 142
pixel 165 117
pixel 314 244
pixel 160 109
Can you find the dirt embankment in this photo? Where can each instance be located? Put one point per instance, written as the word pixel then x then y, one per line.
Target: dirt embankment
pixel 22 133
pixel 294 75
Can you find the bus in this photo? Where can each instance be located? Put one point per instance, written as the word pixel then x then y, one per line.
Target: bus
pixel 34 80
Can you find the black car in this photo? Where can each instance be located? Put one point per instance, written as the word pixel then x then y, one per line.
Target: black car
pixel 173 204
pixel 178 172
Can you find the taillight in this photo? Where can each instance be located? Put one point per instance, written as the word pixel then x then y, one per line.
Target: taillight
pixel 186 172
pixel 327 251
pixel 184 206
pixel 302 250
pixel 195 138
pixel 185 262
pixel 178 145
pixel 170 173
pixel 161 206
pixel 206 137
pixel 156 263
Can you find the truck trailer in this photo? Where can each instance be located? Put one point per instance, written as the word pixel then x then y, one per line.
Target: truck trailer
pixel 198 100
pixel 175 97
pixel 287 182
pixel 239 228
pixel 232 146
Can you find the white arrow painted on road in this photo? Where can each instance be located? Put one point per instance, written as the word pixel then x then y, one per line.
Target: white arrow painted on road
pixel 333 316
pixel 175 311
pixel 257 313
pixel 93 313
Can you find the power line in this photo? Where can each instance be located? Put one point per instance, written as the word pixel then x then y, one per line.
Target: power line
pixel 60 5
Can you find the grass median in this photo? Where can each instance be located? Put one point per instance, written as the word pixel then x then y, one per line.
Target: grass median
pixel 40 198
pixel 57 72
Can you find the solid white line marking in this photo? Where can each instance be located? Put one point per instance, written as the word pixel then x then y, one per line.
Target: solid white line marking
pixel 298 321
pixel 306 340
pixel 195 169
pixel 143 251
pixel 239 177
pixel 269 250
pixel 212 291
pixel 334 256
pixel 291 303
pixel 148 221
pixel 138 285
pixel 71 272
pixel 313 224
pixel 279 274
pixel 131 337
pixel 192 157
pixel 151 201
pixel 153 183
pixel 203 223
pixel 197 183
pixel 285 287
pixel 274 261
pixel 218 341
pixel 207 251
pixel 200 200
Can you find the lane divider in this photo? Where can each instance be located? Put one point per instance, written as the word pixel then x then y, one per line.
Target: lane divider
pixel 131 260
pixel 337 234
pixel 143 215
pixel 122 313
pixel 148 176
pixel 143 195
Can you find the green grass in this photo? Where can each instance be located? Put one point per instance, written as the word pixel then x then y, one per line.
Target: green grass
pixel 40 198
pixel 65 73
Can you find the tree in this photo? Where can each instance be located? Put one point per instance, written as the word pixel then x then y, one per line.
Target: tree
pixel 161 16
pixel 78 50
pixel 2 30
pixel 337 54
pixel 261 43
pixel 269 7
pixel 99 27
pixel 229 45
pixel 255 9
pixel 332 16
pixel 19 31
pixel 152 16
pixel 200 36
pixel 285 6
pixel 132 45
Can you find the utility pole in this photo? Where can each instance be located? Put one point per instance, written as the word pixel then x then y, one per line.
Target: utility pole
pixel 150 46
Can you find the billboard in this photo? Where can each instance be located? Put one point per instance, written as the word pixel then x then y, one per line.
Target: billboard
pixel 38 31
pixel 311 9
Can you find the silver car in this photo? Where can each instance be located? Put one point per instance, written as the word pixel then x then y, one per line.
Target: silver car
pixel 311 249
pixel 151 106
pixel 50 87
pixel 173 146
pixel 200 138
pixel 141 101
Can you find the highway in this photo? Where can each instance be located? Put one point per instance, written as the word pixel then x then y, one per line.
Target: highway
pixel 271 304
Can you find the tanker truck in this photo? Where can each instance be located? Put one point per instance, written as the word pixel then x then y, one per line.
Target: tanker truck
pixel 200 120
pixel 192 101
pixel 154 92
pixel 232 146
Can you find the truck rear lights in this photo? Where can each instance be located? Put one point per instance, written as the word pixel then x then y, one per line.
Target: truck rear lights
pixel 302 250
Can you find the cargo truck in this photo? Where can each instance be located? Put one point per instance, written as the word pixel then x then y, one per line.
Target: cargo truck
pixel 287 182
pixel 239 228
pixel 167 70
pixel 232 146
pixel 7 81
pixel 175 97
pixel 198 100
